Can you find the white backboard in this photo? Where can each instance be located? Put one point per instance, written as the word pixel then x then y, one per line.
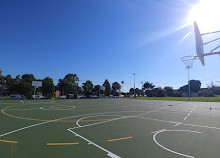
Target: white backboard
pixel 37 83
pixel 199 44
pixel 102 88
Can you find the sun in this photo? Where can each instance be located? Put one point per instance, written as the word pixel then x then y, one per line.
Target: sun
pixel 207 15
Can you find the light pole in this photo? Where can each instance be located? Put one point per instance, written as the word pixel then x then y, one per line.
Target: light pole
pixel 134 85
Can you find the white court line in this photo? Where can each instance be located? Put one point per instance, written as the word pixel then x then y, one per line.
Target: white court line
pixel 110 154
pixel 77 122
pixel 154 138
pixel 23 109
pixel 186 116
pixel 158 120
pixel 54 121
pixel 178 124
pixel 101 122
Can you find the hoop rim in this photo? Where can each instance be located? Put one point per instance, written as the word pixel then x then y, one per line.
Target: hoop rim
pixel 188 58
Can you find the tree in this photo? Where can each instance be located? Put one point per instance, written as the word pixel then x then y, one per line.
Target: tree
pixel 116 88
pixel 65 87
pixel 131 91
pixel 2 78
pixel 208 93
pixel 168 91
pixel 69 85
pixel 28 78
pixel 184 89
pixel 88 88
pixel 97 89
pixel 48 87
pixel 18 78
pixel 107 88
pixel 22 88
pixel 148 86
pixel 122 82
pixel 72 78
pixel 158 92
pixel 137 92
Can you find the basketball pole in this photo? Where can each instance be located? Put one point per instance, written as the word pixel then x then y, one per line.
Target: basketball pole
pixel 34 91
pixel 134 86
pixel 188 83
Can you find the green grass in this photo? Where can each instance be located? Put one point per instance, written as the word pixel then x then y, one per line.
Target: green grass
pixel 200 99
pixel 4 97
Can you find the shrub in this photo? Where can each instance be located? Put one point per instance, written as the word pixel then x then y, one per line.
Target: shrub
pixel 208 93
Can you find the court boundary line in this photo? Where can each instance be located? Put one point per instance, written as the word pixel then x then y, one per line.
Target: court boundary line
pixel 172 151
pixel 109 153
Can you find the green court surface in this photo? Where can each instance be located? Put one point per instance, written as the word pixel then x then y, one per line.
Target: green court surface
pixel 111 128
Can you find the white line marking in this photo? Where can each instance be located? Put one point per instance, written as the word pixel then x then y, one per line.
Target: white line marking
pixel 154 138
pixel 200 126
pixel 110 154
pixel 101 122
pixel 21 101
pixel 158 120
pixel 177 124
pixel 77 122
pixel 185 118
pixel 62 119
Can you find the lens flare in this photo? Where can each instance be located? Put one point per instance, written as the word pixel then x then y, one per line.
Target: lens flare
pixel 206 14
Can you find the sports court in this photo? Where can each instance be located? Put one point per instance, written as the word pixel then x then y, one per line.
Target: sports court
pixel 109 128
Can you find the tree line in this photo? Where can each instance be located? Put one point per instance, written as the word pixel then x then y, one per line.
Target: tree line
pixel 68 85
pixel 149 90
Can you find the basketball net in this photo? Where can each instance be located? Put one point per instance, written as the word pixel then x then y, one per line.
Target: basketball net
pixel 188 61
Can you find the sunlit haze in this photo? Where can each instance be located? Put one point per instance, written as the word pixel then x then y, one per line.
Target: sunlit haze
pixel 206 14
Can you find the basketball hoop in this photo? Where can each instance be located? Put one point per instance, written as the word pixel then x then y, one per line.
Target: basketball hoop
pixel 188 61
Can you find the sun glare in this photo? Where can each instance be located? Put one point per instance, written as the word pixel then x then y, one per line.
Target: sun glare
pixel 206 13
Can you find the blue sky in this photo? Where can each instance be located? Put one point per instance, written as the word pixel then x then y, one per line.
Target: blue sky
pixel 101 39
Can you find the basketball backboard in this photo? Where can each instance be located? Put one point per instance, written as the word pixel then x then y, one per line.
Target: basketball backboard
pixel 199 44
pixel 36 83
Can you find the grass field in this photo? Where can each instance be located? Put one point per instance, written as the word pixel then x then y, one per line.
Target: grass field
pixel 203 99
pixel 97 128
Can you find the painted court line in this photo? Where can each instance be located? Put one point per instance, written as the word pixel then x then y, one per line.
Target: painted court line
pixel 8 141
pixel 62 143
pixel 177 124
pixel 158 120
pixel 186 116
pixel 112 140
pixel 154 138
pixel 158 131
pixel 77 122
pixel 110 154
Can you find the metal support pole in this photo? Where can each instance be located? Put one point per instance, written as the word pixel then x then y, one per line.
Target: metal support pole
pixel 134 86
pixel 188 83
pixel 34 91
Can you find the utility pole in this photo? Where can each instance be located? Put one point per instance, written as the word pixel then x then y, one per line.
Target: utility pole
pixel 134 86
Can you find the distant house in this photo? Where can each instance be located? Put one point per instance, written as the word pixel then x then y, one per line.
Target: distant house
pixel 57 94
pixel 216 90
